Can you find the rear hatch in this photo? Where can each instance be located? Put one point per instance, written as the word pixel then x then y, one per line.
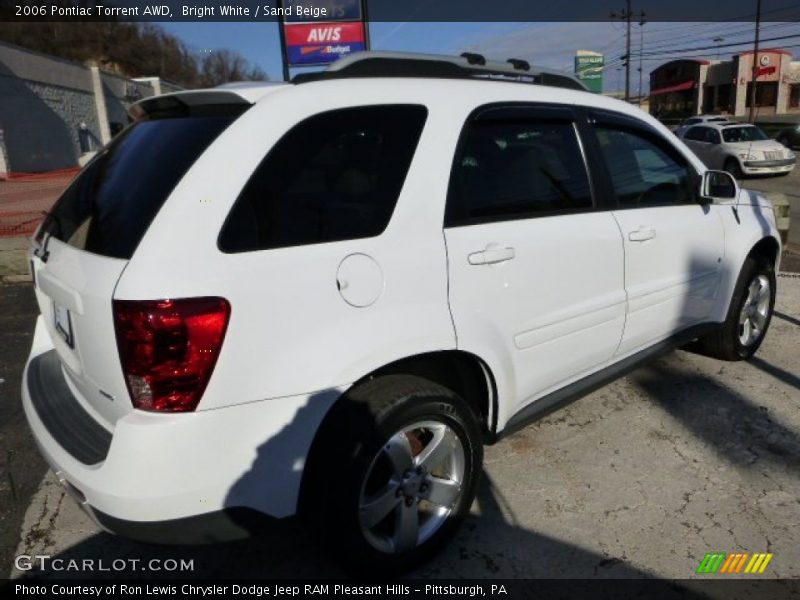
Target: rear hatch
pixel 84 244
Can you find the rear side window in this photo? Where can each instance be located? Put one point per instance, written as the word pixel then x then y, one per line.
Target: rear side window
pixel 696 133
pixel 110 205
pixel 335 176
pixel 516 170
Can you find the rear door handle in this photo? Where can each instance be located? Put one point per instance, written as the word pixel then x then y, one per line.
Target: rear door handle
pixel 492 254
pixel 642 234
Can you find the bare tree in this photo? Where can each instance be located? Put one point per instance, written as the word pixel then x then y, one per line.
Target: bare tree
pixel 224 66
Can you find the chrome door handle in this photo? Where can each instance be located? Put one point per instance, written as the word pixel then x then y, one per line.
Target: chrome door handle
pixel 492 254
pixel 642 234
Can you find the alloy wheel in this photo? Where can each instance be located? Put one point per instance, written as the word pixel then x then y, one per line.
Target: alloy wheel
pixel 755 311
pixel 412 486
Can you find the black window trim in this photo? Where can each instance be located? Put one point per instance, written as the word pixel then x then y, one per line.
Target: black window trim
pixel 291 128
pixel 602 117
pixel 510 112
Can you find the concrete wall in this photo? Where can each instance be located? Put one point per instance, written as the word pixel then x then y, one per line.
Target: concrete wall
pixel 46 102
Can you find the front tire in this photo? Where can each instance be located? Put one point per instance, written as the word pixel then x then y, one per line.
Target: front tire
pixel 749 314
pixel 394 470
pixel 733 167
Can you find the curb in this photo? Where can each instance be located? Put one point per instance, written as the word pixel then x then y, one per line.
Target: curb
pixel 16 279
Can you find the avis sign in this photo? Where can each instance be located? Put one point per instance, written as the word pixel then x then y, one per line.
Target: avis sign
pixel 320 43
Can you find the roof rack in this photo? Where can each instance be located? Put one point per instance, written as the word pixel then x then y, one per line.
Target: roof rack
pixel 435 66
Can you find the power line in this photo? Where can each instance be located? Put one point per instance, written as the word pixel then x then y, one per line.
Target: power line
pixel 626 15
pixel 714 47
pixel 671 44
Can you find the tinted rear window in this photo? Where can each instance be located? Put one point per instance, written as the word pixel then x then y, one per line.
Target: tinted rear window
pixel 110 205
pixel 335 176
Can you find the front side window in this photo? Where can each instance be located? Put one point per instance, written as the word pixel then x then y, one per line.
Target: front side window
pixel 335 176
pixel 516 169
pixel 644 172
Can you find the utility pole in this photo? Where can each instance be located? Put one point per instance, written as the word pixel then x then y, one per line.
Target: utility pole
pixel 641 51
pixel 282 39
pixel 718 40
pixel 752 116
pixel 626 14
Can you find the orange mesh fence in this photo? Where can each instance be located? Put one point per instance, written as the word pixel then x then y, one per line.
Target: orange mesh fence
pixel 26 197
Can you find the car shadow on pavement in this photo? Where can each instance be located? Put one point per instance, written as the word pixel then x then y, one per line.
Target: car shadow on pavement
pixel 739 431
pixel 288 552
pixel 787 318
pixel 489 545
pixel 785 376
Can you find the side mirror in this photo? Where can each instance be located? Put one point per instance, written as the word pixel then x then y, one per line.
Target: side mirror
pixel 719 185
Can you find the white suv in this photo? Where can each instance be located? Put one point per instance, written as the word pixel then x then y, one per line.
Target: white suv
pixel 324 298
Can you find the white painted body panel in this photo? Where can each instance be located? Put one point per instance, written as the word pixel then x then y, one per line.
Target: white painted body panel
pixel 671 279
pixel 556 309
pixel 84 283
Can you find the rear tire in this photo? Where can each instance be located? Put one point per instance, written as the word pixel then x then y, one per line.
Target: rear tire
pixel 393 471
pixel 733 167
pixel 749 314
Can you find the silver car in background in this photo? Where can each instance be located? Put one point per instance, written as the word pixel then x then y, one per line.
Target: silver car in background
pixel 741 149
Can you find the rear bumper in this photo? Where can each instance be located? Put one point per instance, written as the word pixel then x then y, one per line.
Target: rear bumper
pixel 163 468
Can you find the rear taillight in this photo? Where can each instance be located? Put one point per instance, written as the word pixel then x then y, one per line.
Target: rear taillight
pixel 168 349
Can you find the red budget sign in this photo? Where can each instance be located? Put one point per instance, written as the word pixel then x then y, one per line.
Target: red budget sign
pixel 302 34
pixel 321 43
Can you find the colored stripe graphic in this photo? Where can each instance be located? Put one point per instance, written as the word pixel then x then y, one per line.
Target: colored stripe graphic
pixel 734 563
pixel 711 562
pixel 758 563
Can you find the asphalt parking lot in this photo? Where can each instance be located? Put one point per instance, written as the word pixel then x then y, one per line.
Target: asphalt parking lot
pixel 640 479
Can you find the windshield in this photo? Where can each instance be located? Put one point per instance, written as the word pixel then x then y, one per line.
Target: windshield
pixel 747 133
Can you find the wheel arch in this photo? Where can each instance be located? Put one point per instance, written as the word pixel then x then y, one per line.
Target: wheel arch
pixel 464 373
pixel 767 248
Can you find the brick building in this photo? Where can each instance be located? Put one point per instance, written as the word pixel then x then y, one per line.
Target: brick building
pixel 681 88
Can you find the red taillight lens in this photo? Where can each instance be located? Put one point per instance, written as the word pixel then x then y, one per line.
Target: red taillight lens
pixel 168 349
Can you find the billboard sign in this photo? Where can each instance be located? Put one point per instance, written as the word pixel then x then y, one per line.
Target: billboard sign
pixel 299 11
pixel 589 69
pixel 334 28
pixel 322 43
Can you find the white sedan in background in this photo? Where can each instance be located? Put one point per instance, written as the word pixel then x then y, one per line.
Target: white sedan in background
pixel 740 149
pixel 681 129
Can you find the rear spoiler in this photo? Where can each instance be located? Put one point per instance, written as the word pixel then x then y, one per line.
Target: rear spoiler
pixel 230 99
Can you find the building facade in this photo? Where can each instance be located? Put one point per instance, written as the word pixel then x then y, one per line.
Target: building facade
pixel 54 111
pixel 682 88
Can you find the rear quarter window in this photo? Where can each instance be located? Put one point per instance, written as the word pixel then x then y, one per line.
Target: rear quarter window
pixel 335 176
pixel 110 205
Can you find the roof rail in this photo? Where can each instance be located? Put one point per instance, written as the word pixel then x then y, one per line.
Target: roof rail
pixel 435 66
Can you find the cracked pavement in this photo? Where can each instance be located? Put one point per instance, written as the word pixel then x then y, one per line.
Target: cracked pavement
pixel 641 478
